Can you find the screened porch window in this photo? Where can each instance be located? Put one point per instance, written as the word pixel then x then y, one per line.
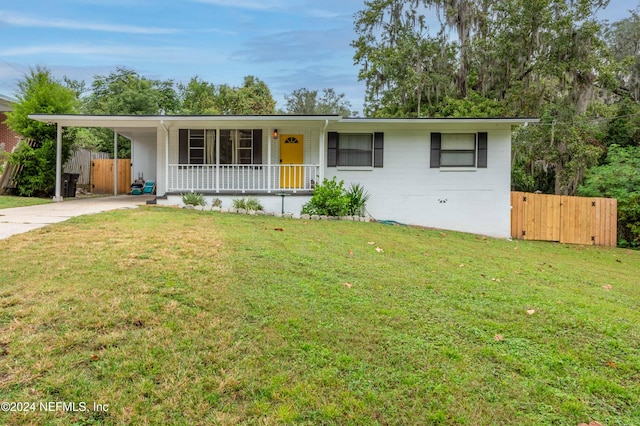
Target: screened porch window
pixel 237 146
pixel 202 146
pixel 355 149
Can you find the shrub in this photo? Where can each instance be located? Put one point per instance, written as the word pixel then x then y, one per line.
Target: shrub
pixel 250 203
pixel 619 178
pixel 329 198
pixel 358 198
pixel 193 199
pixel 217 202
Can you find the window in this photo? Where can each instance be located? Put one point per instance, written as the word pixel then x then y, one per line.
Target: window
pixel 202 146
pixel 355 149
pixel 198 146
pixel 242 146
pixel 458 150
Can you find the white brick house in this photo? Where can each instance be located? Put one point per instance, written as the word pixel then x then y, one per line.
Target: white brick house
pixel 443 173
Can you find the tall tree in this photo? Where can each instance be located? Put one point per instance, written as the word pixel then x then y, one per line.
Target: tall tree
pixel 39 92
pixel 306 102
pixel 125 92
pixel 518 52
pixel 198 98
pixel 623 38
pixel 252 98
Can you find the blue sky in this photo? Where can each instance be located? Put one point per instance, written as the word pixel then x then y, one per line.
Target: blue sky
pixel 287 43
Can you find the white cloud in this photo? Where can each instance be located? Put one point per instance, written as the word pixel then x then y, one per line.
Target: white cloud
pixel 244 4
pixel 79 50
pixel 297 7
pixel 26 21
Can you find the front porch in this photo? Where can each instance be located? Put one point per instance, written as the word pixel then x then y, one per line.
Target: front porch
pixel 242 178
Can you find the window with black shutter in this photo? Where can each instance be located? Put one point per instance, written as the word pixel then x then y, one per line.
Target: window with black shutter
pixel 459 150
pixel 355 149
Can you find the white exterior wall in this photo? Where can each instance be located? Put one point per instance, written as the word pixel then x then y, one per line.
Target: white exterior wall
pixel 408 191
pixel 143 153
pixel 405 189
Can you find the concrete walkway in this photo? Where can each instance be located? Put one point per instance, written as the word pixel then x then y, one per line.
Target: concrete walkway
pixel 23 219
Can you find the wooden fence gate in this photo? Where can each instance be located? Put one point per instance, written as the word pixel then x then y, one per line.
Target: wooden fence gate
pixel 574 220
pixel 102 176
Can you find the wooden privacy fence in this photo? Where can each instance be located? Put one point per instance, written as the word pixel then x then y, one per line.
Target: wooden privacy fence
pixel 574 220
pixel 80 163
pixel 102 176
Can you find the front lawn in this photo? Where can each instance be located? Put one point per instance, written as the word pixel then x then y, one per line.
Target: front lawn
pixel 166 316
pixel 8 201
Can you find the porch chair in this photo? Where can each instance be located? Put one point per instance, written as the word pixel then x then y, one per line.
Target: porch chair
pixel 149 187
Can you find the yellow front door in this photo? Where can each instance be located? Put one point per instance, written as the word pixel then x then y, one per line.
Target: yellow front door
pixel 291 152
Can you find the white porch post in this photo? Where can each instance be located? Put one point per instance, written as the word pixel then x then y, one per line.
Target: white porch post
pixel 323 153
pixel 58 195
pixel 269 140
pixel 115 162
pixel 166 157
pixel 217 159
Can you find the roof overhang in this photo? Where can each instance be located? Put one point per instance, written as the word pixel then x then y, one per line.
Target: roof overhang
pixel 135 123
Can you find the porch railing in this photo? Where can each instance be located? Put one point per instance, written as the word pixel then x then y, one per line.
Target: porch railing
pixel 242 177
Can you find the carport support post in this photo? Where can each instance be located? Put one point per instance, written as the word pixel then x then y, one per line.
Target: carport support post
pixel 58 196
pixel 115 162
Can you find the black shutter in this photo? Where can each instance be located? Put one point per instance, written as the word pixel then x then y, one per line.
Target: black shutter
pixel 378 149
pixel 436 138
pixel 183 149
pixel 482 149
pixel 257 146
pixel 332 149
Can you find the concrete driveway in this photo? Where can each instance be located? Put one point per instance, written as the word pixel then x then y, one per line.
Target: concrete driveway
pixel 23 219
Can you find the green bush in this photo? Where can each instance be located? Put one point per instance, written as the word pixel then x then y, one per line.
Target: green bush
pixel 358 198
pixel 329 198
pixel 37 176
pixel 250 203
pixel 193 199
pixel 619 178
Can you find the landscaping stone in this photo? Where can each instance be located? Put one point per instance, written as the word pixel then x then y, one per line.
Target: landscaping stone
pixel 242 211
pixel 251 212
pixel 323 217
pixel 287 216
pixel 260 213
pixel 346 218
pixel 189 207
pixel 305 217
pixel 216 209
pixel 315 217
pixel 200 208
pixel 269 214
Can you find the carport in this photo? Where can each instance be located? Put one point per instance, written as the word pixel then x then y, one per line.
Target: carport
pixel 140 130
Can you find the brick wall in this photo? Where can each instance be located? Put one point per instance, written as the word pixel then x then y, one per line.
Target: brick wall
pixel 8 139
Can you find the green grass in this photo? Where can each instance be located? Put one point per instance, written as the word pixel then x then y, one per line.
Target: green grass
pixel 8 201
pixel 186 317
